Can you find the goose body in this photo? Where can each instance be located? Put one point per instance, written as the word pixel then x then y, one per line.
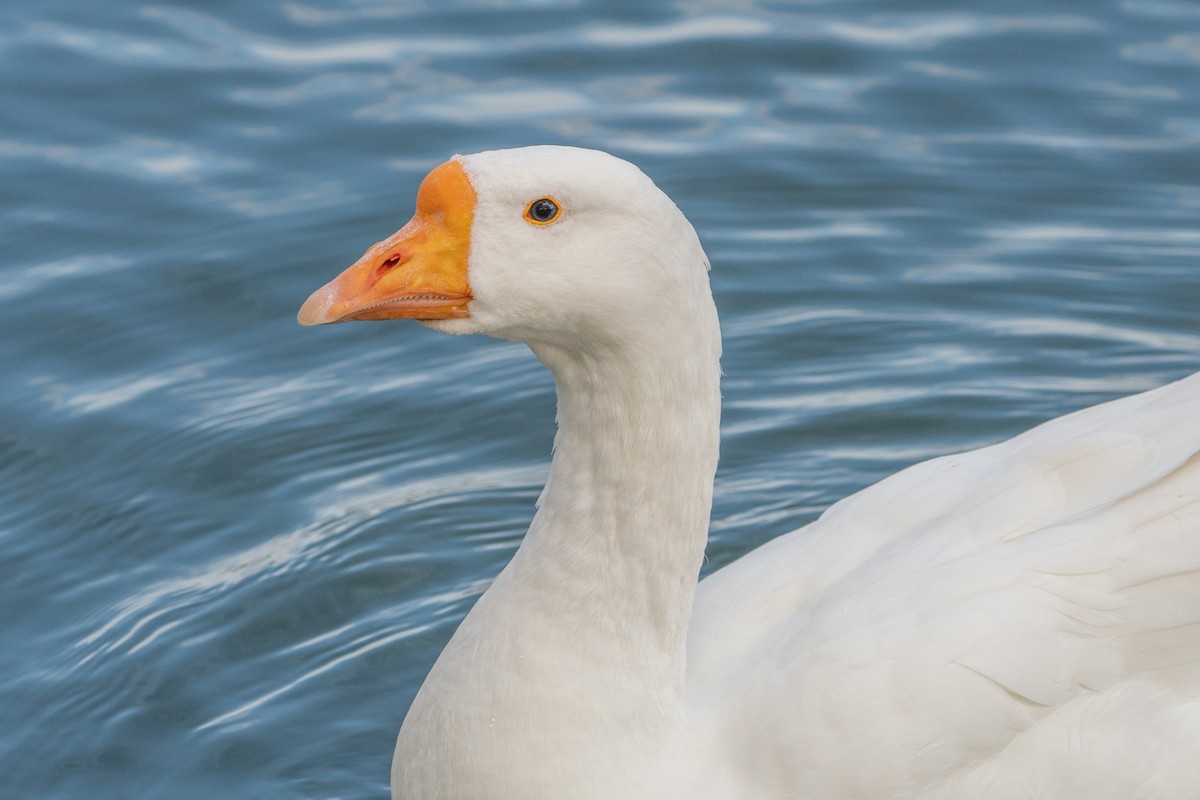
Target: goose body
pixel 1022 620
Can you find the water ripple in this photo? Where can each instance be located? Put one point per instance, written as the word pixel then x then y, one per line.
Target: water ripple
pixel 235 547
pixel 695 29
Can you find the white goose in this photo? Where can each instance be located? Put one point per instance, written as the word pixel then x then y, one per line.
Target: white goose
pixel 1018 621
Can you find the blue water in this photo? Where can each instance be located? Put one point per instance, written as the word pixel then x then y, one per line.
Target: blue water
pixel 231 548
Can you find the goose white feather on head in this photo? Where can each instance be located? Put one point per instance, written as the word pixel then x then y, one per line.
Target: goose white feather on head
pixel 607 266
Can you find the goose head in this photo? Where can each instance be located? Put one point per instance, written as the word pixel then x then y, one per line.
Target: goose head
pixel 542 244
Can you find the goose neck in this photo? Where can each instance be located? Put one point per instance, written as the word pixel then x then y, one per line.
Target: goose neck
pixel 617 543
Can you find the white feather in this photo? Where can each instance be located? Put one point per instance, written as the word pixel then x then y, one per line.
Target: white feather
pixel 1018 621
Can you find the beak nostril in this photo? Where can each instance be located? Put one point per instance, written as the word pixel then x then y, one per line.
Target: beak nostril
pixel 394 260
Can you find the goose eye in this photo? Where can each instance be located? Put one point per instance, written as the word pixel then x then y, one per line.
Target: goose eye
pixel 543 211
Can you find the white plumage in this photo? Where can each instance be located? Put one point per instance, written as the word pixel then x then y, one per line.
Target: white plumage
pixel 1022 620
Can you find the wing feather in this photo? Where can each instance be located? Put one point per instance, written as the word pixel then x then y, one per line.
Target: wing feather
pixel 951 611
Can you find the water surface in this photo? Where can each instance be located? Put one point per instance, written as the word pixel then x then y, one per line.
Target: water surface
pixel 231 548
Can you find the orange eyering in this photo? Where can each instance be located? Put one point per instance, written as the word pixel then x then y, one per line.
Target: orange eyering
pixel 419 272
pixel 529 217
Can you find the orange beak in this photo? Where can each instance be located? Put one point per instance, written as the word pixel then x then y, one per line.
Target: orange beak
pixel 419 272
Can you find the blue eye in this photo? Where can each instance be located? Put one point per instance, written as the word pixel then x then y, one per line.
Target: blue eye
pixel 543 211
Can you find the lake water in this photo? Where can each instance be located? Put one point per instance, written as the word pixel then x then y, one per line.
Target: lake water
pixel 231 547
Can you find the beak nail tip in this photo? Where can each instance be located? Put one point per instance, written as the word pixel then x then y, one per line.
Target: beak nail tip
pixel 315 310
